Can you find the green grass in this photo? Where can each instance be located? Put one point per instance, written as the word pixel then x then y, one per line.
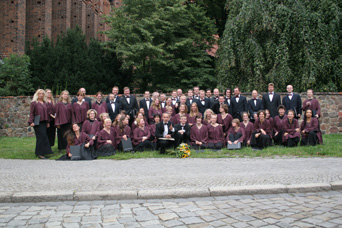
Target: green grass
pixel 23 148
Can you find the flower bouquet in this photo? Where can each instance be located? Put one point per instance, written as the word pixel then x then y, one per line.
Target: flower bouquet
pixel 183 151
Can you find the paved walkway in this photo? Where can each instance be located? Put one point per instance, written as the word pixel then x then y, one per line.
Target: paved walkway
pixel 320 209
pixel 163 178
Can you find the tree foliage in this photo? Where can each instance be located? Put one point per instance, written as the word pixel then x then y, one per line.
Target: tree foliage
pixel 164 42
pixel 285 42
pixel 72 63
pixel 15 76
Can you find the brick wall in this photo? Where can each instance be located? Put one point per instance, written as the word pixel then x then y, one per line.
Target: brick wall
pixel 61 15
pixel 14 114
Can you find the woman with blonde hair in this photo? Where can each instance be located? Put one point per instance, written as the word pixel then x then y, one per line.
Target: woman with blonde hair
pixel 51 130
pixel 106 140
pixel 39 120
pixel 63 118
pixel 193 114
pixel 79 109
pixel 123 131
pixel 235 133
pixel 155 108
pixel 183 111
pixel 91 126
pixel 168 103
pixel 141 136
pixel 207 116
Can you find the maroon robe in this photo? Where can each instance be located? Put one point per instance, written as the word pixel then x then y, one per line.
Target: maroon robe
pixel 100 108
pixel 270 119
pixel 226 122
pixel 192 119
pixel 205 122
pixel 266 126
pixel 91 128
pixel 63 113
pixel 278 123
pixel 200 135
pixel 153 132
pixel 38 109
pixel 215 134
pixel 134 125
pixel 103 136
pixel 84 138
pixel 79 112
pixel 153 111
pixel 139 133
pixel 312 126
pixel 173 110
pixel 290 128
pixel 240 130
pixel 248 130
pixel 312 104
pixel 119 134
pixel 51 108
pixel 176 118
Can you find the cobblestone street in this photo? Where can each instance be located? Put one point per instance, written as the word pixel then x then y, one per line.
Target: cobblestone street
pixel 320 209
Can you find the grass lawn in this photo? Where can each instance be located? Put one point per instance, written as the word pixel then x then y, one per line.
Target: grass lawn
pixel 23 148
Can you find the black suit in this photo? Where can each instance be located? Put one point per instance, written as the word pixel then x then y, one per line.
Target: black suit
pixel 295 104
pixel 240 107
pixel 273 105
pixel 87 99
pixel 229 103
pixel 201 107
pixel 113 114
pixel 163 144
pixel 252 108
pixel 187 102
pixel 131 108
pixel 185 137
pixel 216 107
pixel 143 104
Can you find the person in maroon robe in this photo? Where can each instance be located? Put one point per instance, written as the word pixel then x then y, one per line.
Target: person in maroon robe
pixel 215 134
pixel 207 116
pixel 79 110
pixel 248 128
pixel 270 119
pixel 193 114
pixel 63 119
pixel 310 130
pixel 183 111
pixel 153 138
pixel 123 131
pixel 39 110
pixel 155 108
pixel 278 128
pixel 141 136
pixel 291 130
pixel 199 134
pixel 99 105
pixel 262 133
pixel 169 104
pixel 91 126
pixel 106 140
pixel 75 138
pixel 312 104
pixel 135 124
pixel 51 130
pixel 224 118
pixel 235 133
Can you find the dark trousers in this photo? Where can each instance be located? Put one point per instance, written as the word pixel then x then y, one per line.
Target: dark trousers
pixel 62 141
pixel 180 138
pixel 51 132
pixel 278 139
pixel 163 144
pixel 234 137
pixel 216 146
pixel 197 147
pixel 42 141
pixel 291 142
pixel 262 141
pixel 144 145
pixel 311 139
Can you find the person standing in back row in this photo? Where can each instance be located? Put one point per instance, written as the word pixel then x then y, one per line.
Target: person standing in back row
pixel 129 104
pixel 293 102
pixel 271 100
pixel 239 104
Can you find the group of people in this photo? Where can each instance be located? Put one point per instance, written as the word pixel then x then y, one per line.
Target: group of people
pixel 158 122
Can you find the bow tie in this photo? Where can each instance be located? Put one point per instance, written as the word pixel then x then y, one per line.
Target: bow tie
pixel 290 94
pixel 165 123
pixel 127 96
pixel 237 96
pixel 112 102
pixel 202 100
pixel 147 100
pixel 271 93
pixel 173 99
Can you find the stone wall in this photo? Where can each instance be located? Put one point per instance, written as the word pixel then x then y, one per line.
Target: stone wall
pixel 14 114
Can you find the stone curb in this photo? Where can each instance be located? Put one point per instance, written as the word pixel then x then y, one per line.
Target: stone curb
pixel 17 197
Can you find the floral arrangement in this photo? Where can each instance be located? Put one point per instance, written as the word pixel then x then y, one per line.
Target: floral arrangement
pixel 183 151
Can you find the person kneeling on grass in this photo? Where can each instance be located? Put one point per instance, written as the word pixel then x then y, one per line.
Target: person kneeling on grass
pixel 141 136
pixel 261 136
pixel 310 130
pixel 236 133
pixel 215 134
pixel 106 140
pixel 291 130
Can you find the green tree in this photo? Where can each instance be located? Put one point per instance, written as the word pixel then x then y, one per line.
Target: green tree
pixel 285 42
pixel 164 42
pixel 15 76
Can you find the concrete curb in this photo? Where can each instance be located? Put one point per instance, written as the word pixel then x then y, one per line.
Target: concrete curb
pixel 17 197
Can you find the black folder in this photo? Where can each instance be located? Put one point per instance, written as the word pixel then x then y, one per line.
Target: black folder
pixel 76 152
pixel 234 146
pixel 36 120
pixel 126 145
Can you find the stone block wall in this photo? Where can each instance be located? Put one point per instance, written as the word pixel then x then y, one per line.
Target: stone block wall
pixel 14 114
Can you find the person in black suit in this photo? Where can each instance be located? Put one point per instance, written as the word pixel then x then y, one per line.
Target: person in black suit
pixel 163 100
pixel 293 101
pixel 208 93
pixel 146 103
pixel 228 100
pixel 239 104
pixel 196 92
pixel 215 98
pixel 271 101
pixel 182 132
pixel 87 99
pixel 115 91
pixel 216 106
pixel 254 105
pixel 165 129
pixel 113 106
pixel 203 103
pixel 129 104
pixel 190 99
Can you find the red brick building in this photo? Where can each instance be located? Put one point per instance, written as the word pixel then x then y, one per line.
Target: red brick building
pixel 24 20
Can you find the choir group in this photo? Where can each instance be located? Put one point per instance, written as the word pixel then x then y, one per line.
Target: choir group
pixel 201 119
